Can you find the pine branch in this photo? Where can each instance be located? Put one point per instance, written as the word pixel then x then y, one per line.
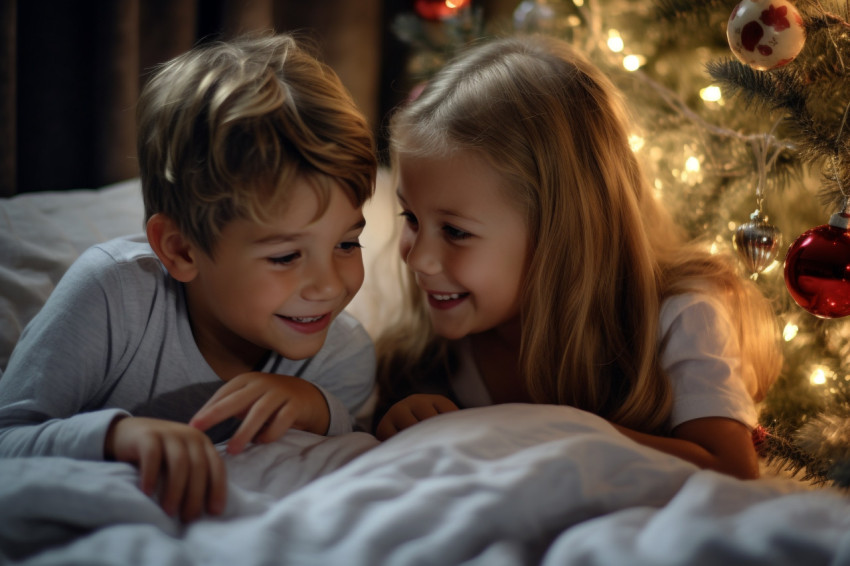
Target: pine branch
pixel 699 10
pixel 780 452
pixel 780 90
pixel 756 87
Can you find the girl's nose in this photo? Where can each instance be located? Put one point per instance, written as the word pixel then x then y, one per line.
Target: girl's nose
pixel 420 255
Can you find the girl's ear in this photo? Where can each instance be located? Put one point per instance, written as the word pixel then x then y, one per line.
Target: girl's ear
pixel 174 250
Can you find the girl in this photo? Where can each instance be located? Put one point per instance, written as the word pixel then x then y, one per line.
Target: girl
pixel 540 268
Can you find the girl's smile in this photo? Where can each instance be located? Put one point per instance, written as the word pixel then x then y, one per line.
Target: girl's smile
pixel 446 300
pixel 464 241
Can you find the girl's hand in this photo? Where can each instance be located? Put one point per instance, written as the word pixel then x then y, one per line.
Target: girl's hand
pixel 192 473
pixel 411 410
pixel 268 404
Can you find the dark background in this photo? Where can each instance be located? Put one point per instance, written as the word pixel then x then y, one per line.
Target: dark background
pixel 70 71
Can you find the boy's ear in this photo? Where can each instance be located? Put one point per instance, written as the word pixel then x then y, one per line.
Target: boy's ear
pixel 174 250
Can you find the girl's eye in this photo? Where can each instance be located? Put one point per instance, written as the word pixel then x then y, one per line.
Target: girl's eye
pixel 454 233
pixel 285 259
pixel 350 246
pixel 409 218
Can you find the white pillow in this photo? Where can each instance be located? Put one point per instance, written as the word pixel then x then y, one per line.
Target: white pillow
pixel 42 233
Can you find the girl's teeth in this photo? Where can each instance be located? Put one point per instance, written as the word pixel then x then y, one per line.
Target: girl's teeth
pixel 304 319
pixel 447 297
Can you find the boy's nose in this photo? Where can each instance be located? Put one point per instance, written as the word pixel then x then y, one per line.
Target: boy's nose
pixel 324 283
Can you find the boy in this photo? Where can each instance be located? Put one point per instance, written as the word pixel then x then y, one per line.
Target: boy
pixel 254 165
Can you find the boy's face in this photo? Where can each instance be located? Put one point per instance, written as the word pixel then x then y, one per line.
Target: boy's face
pixel 465 243
pixel 278 285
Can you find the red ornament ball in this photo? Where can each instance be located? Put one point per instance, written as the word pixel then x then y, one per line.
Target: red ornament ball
pixel 436 10
pixel 817 270
pixel 765 34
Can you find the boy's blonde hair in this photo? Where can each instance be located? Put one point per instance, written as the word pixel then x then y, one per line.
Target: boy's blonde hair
pixel 603 253
pixel 225 129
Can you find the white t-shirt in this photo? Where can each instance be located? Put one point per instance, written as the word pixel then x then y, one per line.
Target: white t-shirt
pixel 699 354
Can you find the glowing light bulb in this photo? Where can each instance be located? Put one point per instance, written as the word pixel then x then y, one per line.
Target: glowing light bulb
pixel 632 62
pixel 790 332
pixel 615 42
pixel 636 142
pixel 711 93
pixel 818 377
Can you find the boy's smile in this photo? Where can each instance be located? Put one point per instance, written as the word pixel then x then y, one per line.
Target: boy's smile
pixel 277 285
pixel 308 324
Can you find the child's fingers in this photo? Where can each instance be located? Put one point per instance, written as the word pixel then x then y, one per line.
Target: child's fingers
pixel 176 475
pixel 217 482
pixel 385 429
pixel 443 404
pixel 258 415
pixel 150 461
pixel 222 392
pixel 410 411
pixel 280 422
pixel 398 419
pixel 424 408
pixel 194 494
pixel 232 405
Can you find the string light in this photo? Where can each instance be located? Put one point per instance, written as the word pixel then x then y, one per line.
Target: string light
pixel 711 94
pixel 615 42
pixel 636 142
pixel 633 62
pixel 692 172
pixel 692 164
pixel 818 376
pixel 790 331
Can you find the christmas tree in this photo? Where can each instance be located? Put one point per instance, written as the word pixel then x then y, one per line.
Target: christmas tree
pixel 741 116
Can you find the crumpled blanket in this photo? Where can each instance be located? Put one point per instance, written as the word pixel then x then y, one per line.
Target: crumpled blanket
pixel 502 485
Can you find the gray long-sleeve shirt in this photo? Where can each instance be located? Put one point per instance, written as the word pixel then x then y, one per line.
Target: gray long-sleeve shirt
pixel 114 338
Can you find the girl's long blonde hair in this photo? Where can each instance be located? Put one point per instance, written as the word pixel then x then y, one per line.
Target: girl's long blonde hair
pixel 604 254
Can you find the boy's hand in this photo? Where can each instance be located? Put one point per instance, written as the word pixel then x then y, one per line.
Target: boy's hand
pixel 411 410
pixel 192 472
pixel 268 404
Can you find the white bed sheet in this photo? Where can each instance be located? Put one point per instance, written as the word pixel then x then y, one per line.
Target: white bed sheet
pixel 504 485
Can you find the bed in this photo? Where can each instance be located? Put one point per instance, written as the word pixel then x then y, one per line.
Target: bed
pixel 504 485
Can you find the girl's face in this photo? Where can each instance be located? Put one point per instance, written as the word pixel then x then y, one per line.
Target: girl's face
pixel 464 241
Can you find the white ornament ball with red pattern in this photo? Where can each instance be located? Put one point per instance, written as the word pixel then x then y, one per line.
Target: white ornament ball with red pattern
pixel 765 34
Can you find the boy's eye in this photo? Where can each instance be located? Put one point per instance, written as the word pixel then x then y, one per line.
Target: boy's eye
pixel 454 233
pixel 350 246
pixel 285 259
